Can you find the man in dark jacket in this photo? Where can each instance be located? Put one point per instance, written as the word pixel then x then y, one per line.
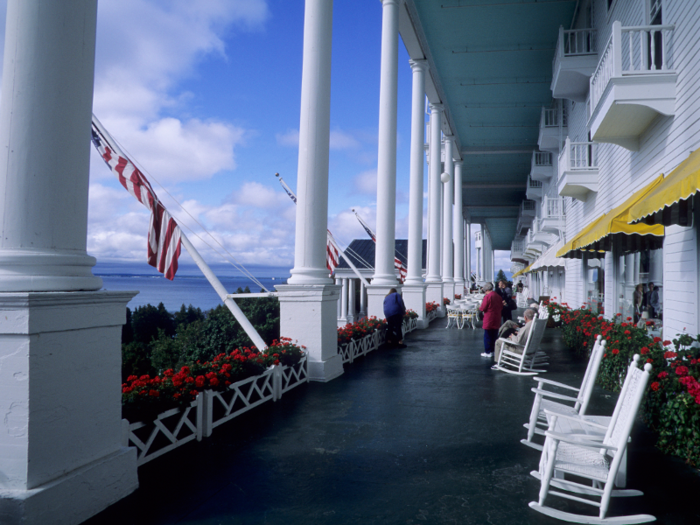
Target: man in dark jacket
pixel 394 310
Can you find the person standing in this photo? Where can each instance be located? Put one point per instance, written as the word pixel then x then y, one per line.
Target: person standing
pixel 491 306
pixel 394 310
pixel 652 300
pixel 506 294
pixel 639 299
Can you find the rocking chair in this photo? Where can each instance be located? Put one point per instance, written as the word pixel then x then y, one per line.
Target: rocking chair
pixel 522 359
pixel 557 402
pixel 598 461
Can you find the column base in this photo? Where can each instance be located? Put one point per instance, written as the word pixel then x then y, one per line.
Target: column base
pixel 47 271
pixel 448 289
pixel 434 293
pixel 414 298
pixel 309 316
pixel 75 497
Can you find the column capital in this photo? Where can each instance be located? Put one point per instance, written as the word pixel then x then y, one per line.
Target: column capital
pixel 436 108
pixel 459 163
pixel 418 64
pixel 391 2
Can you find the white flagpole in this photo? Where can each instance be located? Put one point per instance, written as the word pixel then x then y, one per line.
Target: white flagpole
pixel 330 237
pixel 223 294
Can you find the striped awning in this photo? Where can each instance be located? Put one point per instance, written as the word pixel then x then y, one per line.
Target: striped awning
pixel 614 228
pixel 549 259
pixel 669 203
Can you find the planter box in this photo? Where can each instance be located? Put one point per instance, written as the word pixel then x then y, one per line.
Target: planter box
pixel 359 347
pixel 431 315
pixel 178 426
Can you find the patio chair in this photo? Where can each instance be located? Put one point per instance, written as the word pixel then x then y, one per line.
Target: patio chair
pixel 566 455
pixel 522 359
pixel 556 402
pixel 453 316
pixel 470 314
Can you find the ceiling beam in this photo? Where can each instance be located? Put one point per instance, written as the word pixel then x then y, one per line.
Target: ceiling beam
pixel 496 150
pixel 494 186
pixel 515 48
pixel 503 81
pixel 480 3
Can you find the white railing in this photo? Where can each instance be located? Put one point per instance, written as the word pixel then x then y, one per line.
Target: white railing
pixel 573 42
pixel 578 156
pixel 633 50
pixel 178 426
pixel 541 158
pixel 534 183
pixel 554 117
pixel 553 208
pixel 517 247
pixel 359 347
pixel 527 206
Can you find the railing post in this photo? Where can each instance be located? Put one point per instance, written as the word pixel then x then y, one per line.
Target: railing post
pixel 617 48
pixel 205 405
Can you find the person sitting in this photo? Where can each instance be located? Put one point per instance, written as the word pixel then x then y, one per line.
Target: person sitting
pixel 519 338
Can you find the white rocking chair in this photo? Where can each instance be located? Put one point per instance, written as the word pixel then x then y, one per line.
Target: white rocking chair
pixel 557 402
pixel 598 461
pixel 522 359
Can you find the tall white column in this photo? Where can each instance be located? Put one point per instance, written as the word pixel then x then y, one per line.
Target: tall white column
pixel 448 195
pixel 414 288
pixel 363 299
pixel 344 301
pixel 339 307
pixel 308 302
pixel 458 230
pixel 415 207
pixel 314 138
pixel 384 273
pixel 469 253
pixel 434 193
pixel 61 453
pixel 351 300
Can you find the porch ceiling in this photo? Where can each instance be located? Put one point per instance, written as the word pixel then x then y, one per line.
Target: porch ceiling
pixel 491 65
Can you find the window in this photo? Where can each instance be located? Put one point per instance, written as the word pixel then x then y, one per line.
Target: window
pixel 635 272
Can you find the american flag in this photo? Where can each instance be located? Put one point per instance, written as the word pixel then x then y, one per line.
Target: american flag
pixel 163 232
pixel 398 265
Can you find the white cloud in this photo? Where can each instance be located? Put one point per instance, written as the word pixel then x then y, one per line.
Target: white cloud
pixel 339 140
pixel 366 182
pixel 288 138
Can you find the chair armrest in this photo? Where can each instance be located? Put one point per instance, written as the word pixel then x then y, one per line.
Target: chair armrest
pixel 578 419
pixel 555 383
pixel 510 342
pixel 571 439
pixel 554 395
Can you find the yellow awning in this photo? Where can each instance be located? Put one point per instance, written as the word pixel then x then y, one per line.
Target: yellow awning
pixel 668 203
pixel 521 272
pixel 614 225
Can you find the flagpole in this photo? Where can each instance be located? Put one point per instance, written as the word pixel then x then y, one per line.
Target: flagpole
pixel 223 294
pixel 330 237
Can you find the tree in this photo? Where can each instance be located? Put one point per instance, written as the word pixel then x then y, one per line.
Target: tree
pixel 501 276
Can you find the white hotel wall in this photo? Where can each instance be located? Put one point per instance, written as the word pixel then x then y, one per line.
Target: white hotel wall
pixel 667 142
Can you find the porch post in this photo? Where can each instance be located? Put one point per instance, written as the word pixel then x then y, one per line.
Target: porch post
pixel 448 279
pixel 61 453
pixel 458 222
pixel 469 253
pixel 434 279
pixel 384 272
pixel 308 302
pixel 351 300
pixel 414 288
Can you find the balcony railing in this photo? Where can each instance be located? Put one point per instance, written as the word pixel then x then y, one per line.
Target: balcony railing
pixel 574 60
pixel 534 189
pixel 578 169
pixel 553 208
pixel 640 59
pixel 553 124
pixel 572 43
pixel 541 159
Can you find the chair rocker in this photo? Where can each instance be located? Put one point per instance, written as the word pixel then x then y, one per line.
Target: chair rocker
pixel 556 402
pixel 522 359
pixel 597 461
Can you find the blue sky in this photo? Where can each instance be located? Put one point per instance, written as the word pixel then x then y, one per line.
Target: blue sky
pixel 205 97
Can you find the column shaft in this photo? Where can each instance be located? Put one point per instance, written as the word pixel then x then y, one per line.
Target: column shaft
pixel 314 136
pixel 384 273
pixel 448 194
pixel 434 192
pixel 415 210
pixel 458 230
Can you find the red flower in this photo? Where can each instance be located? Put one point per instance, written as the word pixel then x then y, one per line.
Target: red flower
pixel 644 350
pixel 655 386
pixel 154 393
pixel 199 382
pixel 615 351
pixel 627 332
pixel 682 371
pixel 667 342
pixel 663 375
pixel 657 339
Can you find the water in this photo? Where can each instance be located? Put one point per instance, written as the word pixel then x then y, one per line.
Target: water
pixel 187 287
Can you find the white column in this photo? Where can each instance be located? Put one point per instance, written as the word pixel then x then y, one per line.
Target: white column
pixel 458 230
pixel 434 291
pixel 363 299
pixel 415 211
pixel 344 301
pixel 308 302
pixel 448 195
pixel 414 287
pixel 314 137
pixel 351 300
pixel 339 307
pixel 384 273
pixel 61 453
pixel 434 193
pixel 468 240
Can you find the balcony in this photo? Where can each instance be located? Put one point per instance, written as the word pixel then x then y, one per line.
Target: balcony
pixel 534 189
pixel 525 217
pixel 578 170
pixel 553 219
pixel 575 61
pixel 535 245
pixel 553 128
pixel 517 251
pixel 542 168
pixel 633 84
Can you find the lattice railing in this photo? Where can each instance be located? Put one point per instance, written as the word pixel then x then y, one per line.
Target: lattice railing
pixel 178 426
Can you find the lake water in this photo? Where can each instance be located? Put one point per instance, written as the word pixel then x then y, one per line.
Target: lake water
pixel 187 287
